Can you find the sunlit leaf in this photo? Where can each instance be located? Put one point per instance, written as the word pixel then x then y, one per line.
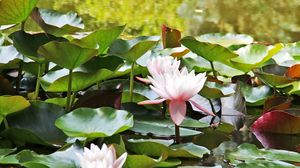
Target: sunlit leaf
pixel 65 54
pixel 227 39
pixel 92 123
pixel 12 104
pixel 100 39
pixel 15 11
pixel 56 23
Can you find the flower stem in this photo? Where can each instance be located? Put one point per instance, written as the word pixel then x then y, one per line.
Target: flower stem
pixel 23 26
pixel 131 83
pixel 213 69
pixel 212 106
pixel 5 123
pixel 38 82
pixel 68 103
pixel 18 82
pixel 177 134
pixel 164 109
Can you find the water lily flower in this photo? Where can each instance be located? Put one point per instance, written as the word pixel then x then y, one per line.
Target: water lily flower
pixel 104 158
pixel 177 88
pixel 160 65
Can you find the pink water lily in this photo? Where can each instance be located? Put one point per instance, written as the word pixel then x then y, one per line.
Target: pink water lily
pixel 160 65
pixel 101 158
pixel 177 87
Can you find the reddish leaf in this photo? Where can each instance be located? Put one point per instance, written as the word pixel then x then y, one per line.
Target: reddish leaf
pixel 293 71
pixel 170 37
pixel 277 121
pixel 277 103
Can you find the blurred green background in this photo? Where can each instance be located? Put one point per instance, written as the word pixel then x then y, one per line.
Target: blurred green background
pixel 266 20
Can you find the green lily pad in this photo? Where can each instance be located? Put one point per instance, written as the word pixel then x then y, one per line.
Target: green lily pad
pixel 15 11
pixel 255 96
pixel 28 44
pixel 254 56
pixel 156 147
pixel 100 39
pixel 265 163
pixel 227 39
pixel 249 152
pixel 146 161
pixel 12 104
pixel 273 75
pixel 209 51
pixel 36 124
pixel 60 159
pixel 213 90
pixel 65 54
pixel 131 50
pixel 92 123
pixel 56 23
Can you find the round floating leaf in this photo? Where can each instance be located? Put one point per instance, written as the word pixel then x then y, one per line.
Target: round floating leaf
pixel 57 23
pixel 211 52
pixel 249 152
pixel 28 44
pixel 65 54
pixel 265 163
pixel 254 56
pixel 213 90
pixel 91 123
pixel 277 122
pixel 133 49
pixel 255 96
pixel 36 124
pixel 146 161
pixel 273 75
pixel 100 39
pixel 15 11
pixel 12 104
pixel 227 39
pixel 60 159
pixel 277 103
pixel 156 148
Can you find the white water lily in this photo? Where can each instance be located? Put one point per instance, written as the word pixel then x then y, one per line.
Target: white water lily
pixel 104 158
pixel 177 87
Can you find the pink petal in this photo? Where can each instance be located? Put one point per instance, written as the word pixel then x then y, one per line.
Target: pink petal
pixel 201 108
pixel 120 161
pixel 146 102
pixel 177 111
pixel 144 80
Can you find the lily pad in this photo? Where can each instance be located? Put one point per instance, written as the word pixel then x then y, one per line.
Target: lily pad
pixel 36 124
pixel 9 57
pixel 255 96
pixel 249 152
pixel 277 122
pixel 65 54
pixel 170 37
pixel 100 39
pixel 213 90
pixel 133 49
pixel 146 161
pixel 155 148
pixel 12 104
pixel 15 11
pixel 60 159
pixel 56 23
pixel 209 51
pixel 227 39
pixel 28 44
pixel 92 123
pixel 254 56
